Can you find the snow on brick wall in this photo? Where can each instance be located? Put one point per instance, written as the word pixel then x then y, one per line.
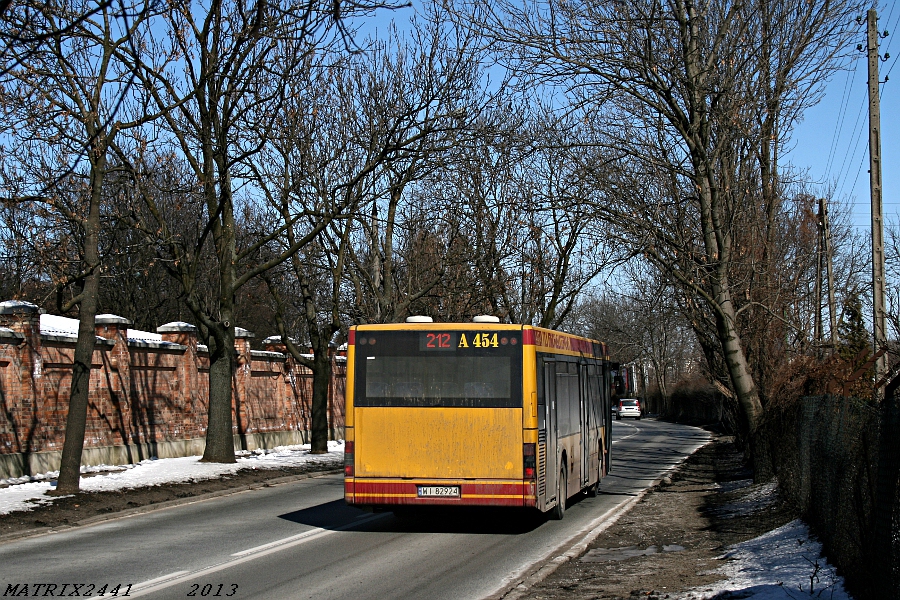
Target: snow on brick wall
pixel 145 387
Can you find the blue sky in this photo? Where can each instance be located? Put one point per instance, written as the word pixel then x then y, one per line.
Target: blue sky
pixel 832 141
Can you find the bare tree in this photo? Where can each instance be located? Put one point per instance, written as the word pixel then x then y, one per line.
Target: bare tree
pixel 892 277
pixel 30 29
pixel 23 236
pixel 223 69
pixel 352 125
pixel 676 82
pixel 639 318
pixel 529 215
pixel 427 98
pixel 307 169
pixel 62 101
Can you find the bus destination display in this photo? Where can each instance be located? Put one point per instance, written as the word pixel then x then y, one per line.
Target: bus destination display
pixel 440 340
pixel 454 340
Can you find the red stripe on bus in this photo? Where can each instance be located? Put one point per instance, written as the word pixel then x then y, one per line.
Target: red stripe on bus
pixel 528 337
pixel 412 501
pixel 471 494
pixel 351 338
pixel 500 489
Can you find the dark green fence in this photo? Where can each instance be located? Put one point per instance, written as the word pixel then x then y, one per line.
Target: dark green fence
pixel 838 459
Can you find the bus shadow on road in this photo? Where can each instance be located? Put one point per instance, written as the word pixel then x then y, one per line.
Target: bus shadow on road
pixel 337 515
pixel 492 521
pixel 331 515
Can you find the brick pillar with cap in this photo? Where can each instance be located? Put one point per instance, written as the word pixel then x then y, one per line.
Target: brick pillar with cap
pixel 242 382
pixel 114 424
pixel 21 370
pixel 115 329
pixel 191 395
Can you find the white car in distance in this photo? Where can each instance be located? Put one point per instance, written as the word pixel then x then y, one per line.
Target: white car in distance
pixel 628 407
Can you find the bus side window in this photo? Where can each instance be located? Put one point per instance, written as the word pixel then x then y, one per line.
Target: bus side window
pixel 562 403
pixel 567 398
pixel 597 399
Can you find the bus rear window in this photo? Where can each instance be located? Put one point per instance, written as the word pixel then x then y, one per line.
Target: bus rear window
pixel 398 373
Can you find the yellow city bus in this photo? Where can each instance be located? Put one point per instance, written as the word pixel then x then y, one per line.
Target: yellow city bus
pixel 474 414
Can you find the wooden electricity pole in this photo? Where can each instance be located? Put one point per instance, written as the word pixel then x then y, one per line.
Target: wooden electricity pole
pixel 826 237
pixel 820 243
pixel 875 189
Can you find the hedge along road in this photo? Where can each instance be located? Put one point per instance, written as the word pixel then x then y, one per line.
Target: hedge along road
pixel 299 540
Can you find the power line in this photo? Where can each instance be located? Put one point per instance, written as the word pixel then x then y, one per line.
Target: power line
pixel 854 143
pixel 859 170
pixel 845 97
pixel 887 46
pixel 891 12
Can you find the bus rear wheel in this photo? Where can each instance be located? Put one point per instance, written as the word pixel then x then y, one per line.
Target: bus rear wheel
pixel 560 509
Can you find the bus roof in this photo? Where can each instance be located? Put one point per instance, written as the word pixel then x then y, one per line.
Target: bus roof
pixel 544 340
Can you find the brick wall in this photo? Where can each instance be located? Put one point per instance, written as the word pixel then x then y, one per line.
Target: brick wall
pixel 147 397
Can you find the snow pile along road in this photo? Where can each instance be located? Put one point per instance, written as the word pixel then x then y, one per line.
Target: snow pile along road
pixel 24 493
pixel 783 564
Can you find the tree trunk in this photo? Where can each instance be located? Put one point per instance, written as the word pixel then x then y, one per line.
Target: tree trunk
pixel 718 248
pixel 321 385
pixel 744 387
pixel 76 420
pixel 220 433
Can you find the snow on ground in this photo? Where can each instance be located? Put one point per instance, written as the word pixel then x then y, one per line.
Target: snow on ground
pixel 24 493
pixel 783 564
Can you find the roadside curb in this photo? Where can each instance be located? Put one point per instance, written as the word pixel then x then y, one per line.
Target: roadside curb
pixel 575 547
pixel 140 510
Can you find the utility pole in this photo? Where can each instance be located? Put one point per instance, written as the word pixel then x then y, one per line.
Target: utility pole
pixel 875 189
pixel 832 309
pixel 817 330
pixel 820 243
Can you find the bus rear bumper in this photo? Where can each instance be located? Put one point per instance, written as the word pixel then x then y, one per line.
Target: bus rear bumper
pixel 403 492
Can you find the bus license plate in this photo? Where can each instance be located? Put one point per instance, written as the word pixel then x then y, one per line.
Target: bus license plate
pixel 438 491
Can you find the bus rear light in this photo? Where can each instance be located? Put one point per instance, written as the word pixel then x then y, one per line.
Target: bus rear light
pixel 348 459
pixel 528 456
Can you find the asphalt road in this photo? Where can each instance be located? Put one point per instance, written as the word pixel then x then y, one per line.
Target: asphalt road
pixel 299 540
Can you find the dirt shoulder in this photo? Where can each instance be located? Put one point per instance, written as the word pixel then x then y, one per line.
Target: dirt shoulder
pixel 673 539
pixel 89 507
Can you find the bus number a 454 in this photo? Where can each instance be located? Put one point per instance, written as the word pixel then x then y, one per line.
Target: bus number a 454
pixel 479 340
